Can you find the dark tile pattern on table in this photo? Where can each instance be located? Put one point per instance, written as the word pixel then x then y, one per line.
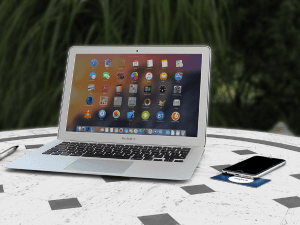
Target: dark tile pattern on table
pixel 244 152
pixel 1 189
pixel 197 189
pixel 159 219
pixel 220 167
pixel 114 178
pixel 64 203
pixel 33 146
pixel 296 176
pixel 290 202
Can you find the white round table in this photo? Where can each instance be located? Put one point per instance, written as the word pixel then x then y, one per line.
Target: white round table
pixel 37 197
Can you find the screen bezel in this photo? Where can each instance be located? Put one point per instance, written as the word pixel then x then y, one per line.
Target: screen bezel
pixel 132 138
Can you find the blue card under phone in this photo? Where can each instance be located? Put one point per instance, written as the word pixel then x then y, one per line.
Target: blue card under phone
pixel 256 182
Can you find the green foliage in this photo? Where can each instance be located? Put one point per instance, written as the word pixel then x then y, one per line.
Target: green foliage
pixel 255 69
pixel 36 35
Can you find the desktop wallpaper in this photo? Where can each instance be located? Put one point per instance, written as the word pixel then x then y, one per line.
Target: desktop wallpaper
pixel 100 78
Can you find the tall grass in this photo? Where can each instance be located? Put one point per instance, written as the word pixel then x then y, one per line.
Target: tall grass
pixel 36 35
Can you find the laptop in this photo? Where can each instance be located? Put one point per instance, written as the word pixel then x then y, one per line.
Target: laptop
pixel 132 111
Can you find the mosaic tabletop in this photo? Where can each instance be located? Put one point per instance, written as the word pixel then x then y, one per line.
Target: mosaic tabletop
pixel 38 197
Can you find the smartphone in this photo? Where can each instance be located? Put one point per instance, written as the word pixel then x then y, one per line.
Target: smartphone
pixel 254 167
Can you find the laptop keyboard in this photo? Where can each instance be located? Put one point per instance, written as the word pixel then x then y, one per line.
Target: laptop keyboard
pixel 132 152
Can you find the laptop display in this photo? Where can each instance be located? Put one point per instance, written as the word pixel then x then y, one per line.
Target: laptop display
pixel 146 94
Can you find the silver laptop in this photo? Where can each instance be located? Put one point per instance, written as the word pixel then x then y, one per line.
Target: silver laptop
pixel 134 111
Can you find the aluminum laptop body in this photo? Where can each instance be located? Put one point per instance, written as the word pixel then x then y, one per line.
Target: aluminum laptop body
pixel 131 95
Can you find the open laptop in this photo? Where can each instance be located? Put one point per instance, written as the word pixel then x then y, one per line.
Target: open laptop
pixel 134 111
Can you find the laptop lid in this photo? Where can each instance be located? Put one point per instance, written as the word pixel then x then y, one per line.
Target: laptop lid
pixel 136 94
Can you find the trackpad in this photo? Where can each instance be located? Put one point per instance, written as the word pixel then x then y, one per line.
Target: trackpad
pixel 98 165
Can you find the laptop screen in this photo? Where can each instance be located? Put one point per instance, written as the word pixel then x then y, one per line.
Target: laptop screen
pixel 141 94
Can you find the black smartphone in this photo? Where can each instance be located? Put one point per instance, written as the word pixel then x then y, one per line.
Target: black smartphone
pixel 254 167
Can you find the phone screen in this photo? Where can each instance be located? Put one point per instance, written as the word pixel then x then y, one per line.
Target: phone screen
pixel 254 165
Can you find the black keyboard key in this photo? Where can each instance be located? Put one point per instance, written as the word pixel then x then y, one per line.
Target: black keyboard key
pixel 137 157
pixel 178 160
pixel 168 160
pixel 64 153
pixel 75 154
pixel 157 160
pixel 55 153
pixel 148 158
pixel 47 152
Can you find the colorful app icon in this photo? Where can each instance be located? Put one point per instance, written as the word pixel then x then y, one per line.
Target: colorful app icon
pixel 121 130
pixel 176 102
pixel 78 129
pixel 108 62
pixel 135 63
pixel 130 115
pixel 116 114
pixel 178 76
pixel 106 75
pixel 145 115
pixel 175 116
pixel 163 76
pixel 117 101
pixel 130 131
pixel 145 131
pixel 183 132
pixel 150 63
pixel 102 114
pixel 135 131
pixel 164 63
pixel 150 131
pixel 97 129
pixel 155 131
pixel 106 129
pixel 83 129
pixel 177 89
pixel 119 88
pixel 121 63
pixel 168 132
pixel 103 100
pixel 116 130
pixel 87 115
pixel 111 130
pixel 141 131
pixel 162 89
pixel 172 132
pixel 126 130
pixel 149 76
pixel 94 62
pixel 105 88
pixel 147 88
pixel 161 103
pixel 177 132
pixel 93 129
pixel 134 76
pixel 92 75
pixel 133 88
pixel 160 115
pixel 89 100
pixel 179 63
pixel 88 129
pixel 160 132
pixel 131 101
pixel 147 102
pixel 102 129
pixel 91 87
pixel 120 75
